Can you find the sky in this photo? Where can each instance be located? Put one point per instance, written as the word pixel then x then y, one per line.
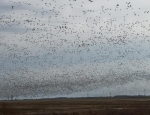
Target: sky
pixel 74 48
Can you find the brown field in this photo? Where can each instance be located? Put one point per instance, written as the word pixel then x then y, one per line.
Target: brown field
pixel 82 106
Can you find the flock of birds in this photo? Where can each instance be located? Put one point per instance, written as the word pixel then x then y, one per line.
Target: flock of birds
pixel 51 47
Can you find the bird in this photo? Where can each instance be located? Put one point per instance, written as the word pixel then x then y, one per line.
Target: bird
pixel 12 7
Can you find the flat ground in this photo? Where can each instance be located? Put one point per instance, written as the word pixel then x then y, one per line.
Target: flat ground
pixel 82 106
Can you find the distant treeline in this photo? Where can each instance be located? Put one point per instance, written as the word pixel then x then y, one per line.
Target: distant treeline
pixel 131 96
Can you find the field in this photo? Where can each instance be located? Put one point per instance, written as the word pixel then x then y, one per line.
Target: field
pixel 81 106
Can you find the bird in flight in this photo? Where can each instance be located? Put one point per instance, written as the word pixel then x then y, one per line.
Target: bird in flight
pixel 90 1
pixel 12 7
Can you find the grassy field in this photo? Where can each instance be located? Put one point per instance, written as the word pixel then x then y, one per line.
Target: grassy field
pixel 87 106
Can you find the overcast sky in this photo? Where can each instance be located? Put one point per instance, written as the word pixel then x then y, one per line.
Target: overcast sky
pixel 74 47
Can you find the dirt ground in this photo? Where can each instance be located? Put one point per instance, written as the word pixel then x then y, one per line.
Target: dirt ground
pixel 82 106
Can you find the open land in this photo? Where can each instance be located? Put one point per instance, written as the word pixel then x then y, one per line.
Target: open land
pixel 77 106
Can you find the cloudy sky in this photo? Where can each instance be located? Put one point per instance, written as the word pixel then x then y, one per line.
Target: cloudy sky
pixel 74 47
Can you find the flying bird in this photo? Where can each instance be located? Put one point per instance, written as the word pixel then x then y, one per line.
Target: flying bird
pixel 90 1
pixel 12 7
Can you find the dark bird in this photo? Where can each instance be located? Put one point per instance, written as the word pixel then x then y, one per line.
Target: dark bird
pixel 90 1
pixel 12 7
